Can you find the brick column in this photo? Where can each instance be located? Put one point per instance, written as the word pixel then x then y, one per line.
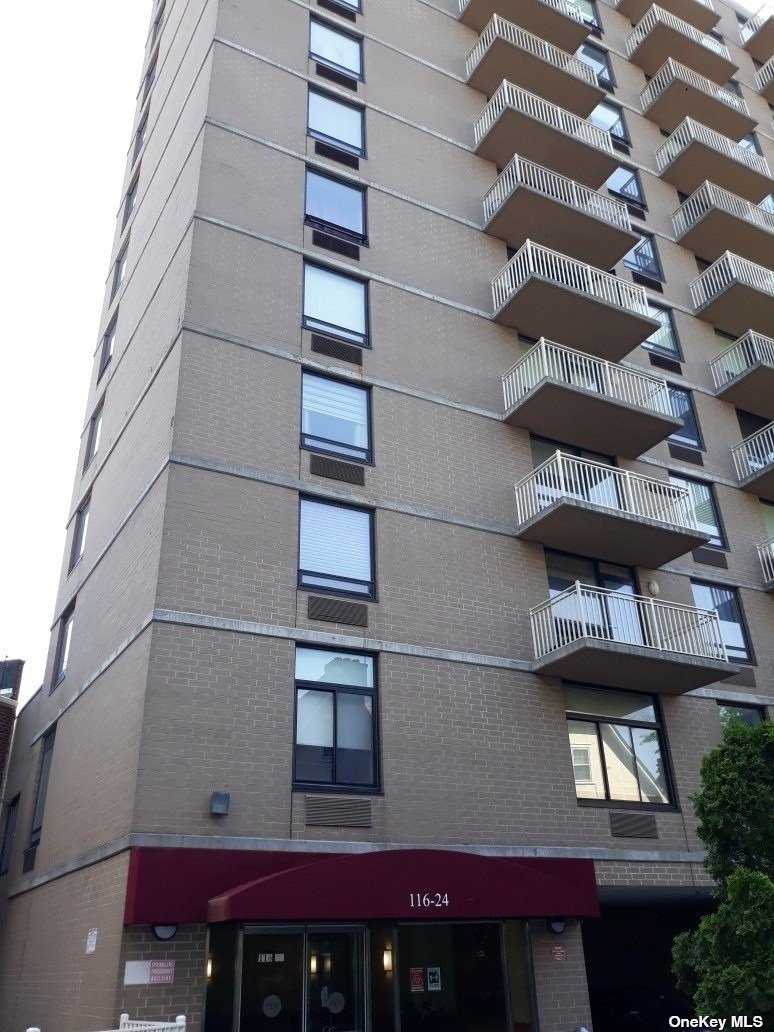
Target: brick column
pixel 560 984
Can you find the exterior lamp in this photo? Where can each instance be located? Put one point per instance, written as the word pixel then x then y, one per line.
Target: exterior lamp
pixel 313 964
pixel 556 925
pixel 209 967
pixel 387 959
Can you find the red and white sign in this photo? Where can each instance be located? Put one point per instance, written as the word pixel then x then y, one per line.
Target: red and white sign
pixel 417 980
pixel 558 953
pixel 162 972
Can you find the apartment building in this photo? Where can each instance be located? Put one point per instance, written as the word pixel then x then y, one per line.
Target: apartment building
pixel 421 538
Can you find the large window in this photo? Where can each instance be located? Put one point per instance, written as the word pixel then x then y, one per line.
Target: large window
pixel 40 795
pixel 335 739
pixel 108 346
pixel 616 746
pixel 63 640
pixel 643 258
pixel 337 49
pixel 663 339
pixel 725 602
pixel 79 533
pixel 588 9
pixel 682 409
pixel 140 137
pixel 752 715
pixel 94 434
pixel 9 827
pixel 625 183
pixel 130 200
pixel 336 304
pixel 610 118
pixel 333 121
pixel 336 549
pixel 119 271
pixel 332 204
pixel 599 60
pixel 335 417
pixel 704 507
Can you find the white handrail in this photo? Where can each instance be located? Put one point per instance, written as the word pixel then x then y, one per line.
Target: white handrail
pixel 583 611
pixel 534 260
pixel 740 356
pixel 751 26
pixel 764 75
pixel 694 132
pixel 657 15
pixel 565 7
pixel 766 556
pixel 550 361
pixel 709 196
pixel 509 96
pixel 532 44
pixel 755 453
pixel 519 172
pixel 704 3
pixel 673 70
pixel 728 269
pixel 620 490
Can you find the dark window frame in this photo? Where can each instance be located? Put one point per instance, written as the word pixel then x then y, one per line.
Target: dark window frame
pixel 108 346
pixel 734 705
pixel 119 266
pixel 654 271
pixel 150 76
pixel 333 227
pixel 341 69
pixel 308 445
pixel 333 141
pixel 9 830
pixel 356 8
pixel 130 198
pixel 41 788
pixel 66 619
pixel 371 594
pixel 92 444
pixel 79 538
pixel 723 546
pixel 329 329
pixel 750 659
pixel 675 438
pixel 140 137
pixel 158 22
pixel 608 81
pixel 638 201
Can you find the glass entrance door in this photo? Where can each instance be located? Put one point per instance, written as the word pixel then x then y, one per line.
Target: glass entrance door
pixel 272 981
pixel 336 988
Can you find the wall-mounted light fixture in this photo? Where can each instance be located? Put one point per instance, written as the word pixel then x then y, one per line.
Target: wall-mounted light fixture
pixel 209 967
pixel 313 964
pixel 387 959
pixel 220 804
pixel 556 925
pixel 164 932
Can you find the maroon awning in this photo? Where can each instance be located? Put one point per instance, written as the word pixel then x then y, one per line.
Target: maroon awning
pixel 192 885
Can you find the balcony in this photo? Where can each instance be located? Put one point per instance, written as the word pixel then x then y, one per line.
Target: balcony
pixel 676 92
pixel 506 51
pixel 713 219
pixel 766 556
pixel 694 153
pixel 743 374
pixel 557 21
pixel 699 13
pixel 757 35
pixel 542 292
pixel 590 508
pixel 764 80
pixel 612 638
pixel 733 294
pixel 754 463
pixel 659 35
pixel 529 202
pixel 545 133
pixel 566 395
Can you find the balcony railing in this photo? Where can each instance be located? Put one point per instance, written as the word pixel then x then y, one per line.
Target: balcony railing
pixel 742 355
pixel 689 132
pixel 728 269
pixel 755 453
pixel 620 490
pixel 519 172
pixel 752 25
pixel 547 360
pixel 508 95
pixel 765 75
pixel 672 70
pixel 655 16
pixel 582 611
pixel 709 196
pixel 563 6
pixel 766 556
pixel 532 44
pixel 533 260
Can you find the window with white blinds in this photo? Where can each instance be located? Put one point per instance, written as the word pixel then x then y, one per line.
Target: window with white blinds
pixel 335 122
pixel 334 417
pixel 335 303
pixel 337 49
pixel 334 551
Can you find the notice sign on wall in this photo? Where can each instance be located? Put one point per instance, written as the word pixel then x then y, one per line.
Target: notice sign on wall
pixel 417 979
pixel 434 980
pixel 162 972
pixel 91 941
pixel 558 953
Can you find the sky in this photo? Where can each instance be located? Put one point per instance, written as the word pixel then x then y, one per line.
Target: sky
pixel 69 85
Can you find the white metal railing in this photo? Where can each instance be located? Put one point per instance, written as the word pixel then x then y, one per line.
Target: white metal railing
pixel 742 355
pixel 730 268
pixel 658 16
pixel 567 476
pixel 549 361
pixel 755 453
pixel 519 172
pixel 583 611
pixel 751 26
pixel 704 3
pixel 764 76
pixel 509 96
pixel 673 70
pixel 766 556
pixel 532 44
pixel 710 196
pixel 127 1025
pixel 534 260
pixel 694 132
pixel 565 7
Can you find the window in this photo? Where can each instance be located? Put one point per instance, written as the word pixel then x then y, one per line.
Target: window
pixel 335 737
pixel 725 602
pixel 728 711
pixel 335 205
pixel 664 339
pixel 616 746
pixel 588 9
pixel 348 5
pixel 94 434
pixel 335 417
pixel 119 270
pixel 150 76
pixel 750 142
pixel 9 827
pixel 599 60
pixel 131 198
pixel 157 21
pixel 335 552
pixel 40 796
pixel 704 507
pixel 333 121
pixel 79 534
pixel 335 303
pixel 64 638
pixel 140 137
pixel 682 409
pixel 337 49
pixel 610 118
pixel 767 204
pixel 625 183
pixel 108 346
pixel 643 258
